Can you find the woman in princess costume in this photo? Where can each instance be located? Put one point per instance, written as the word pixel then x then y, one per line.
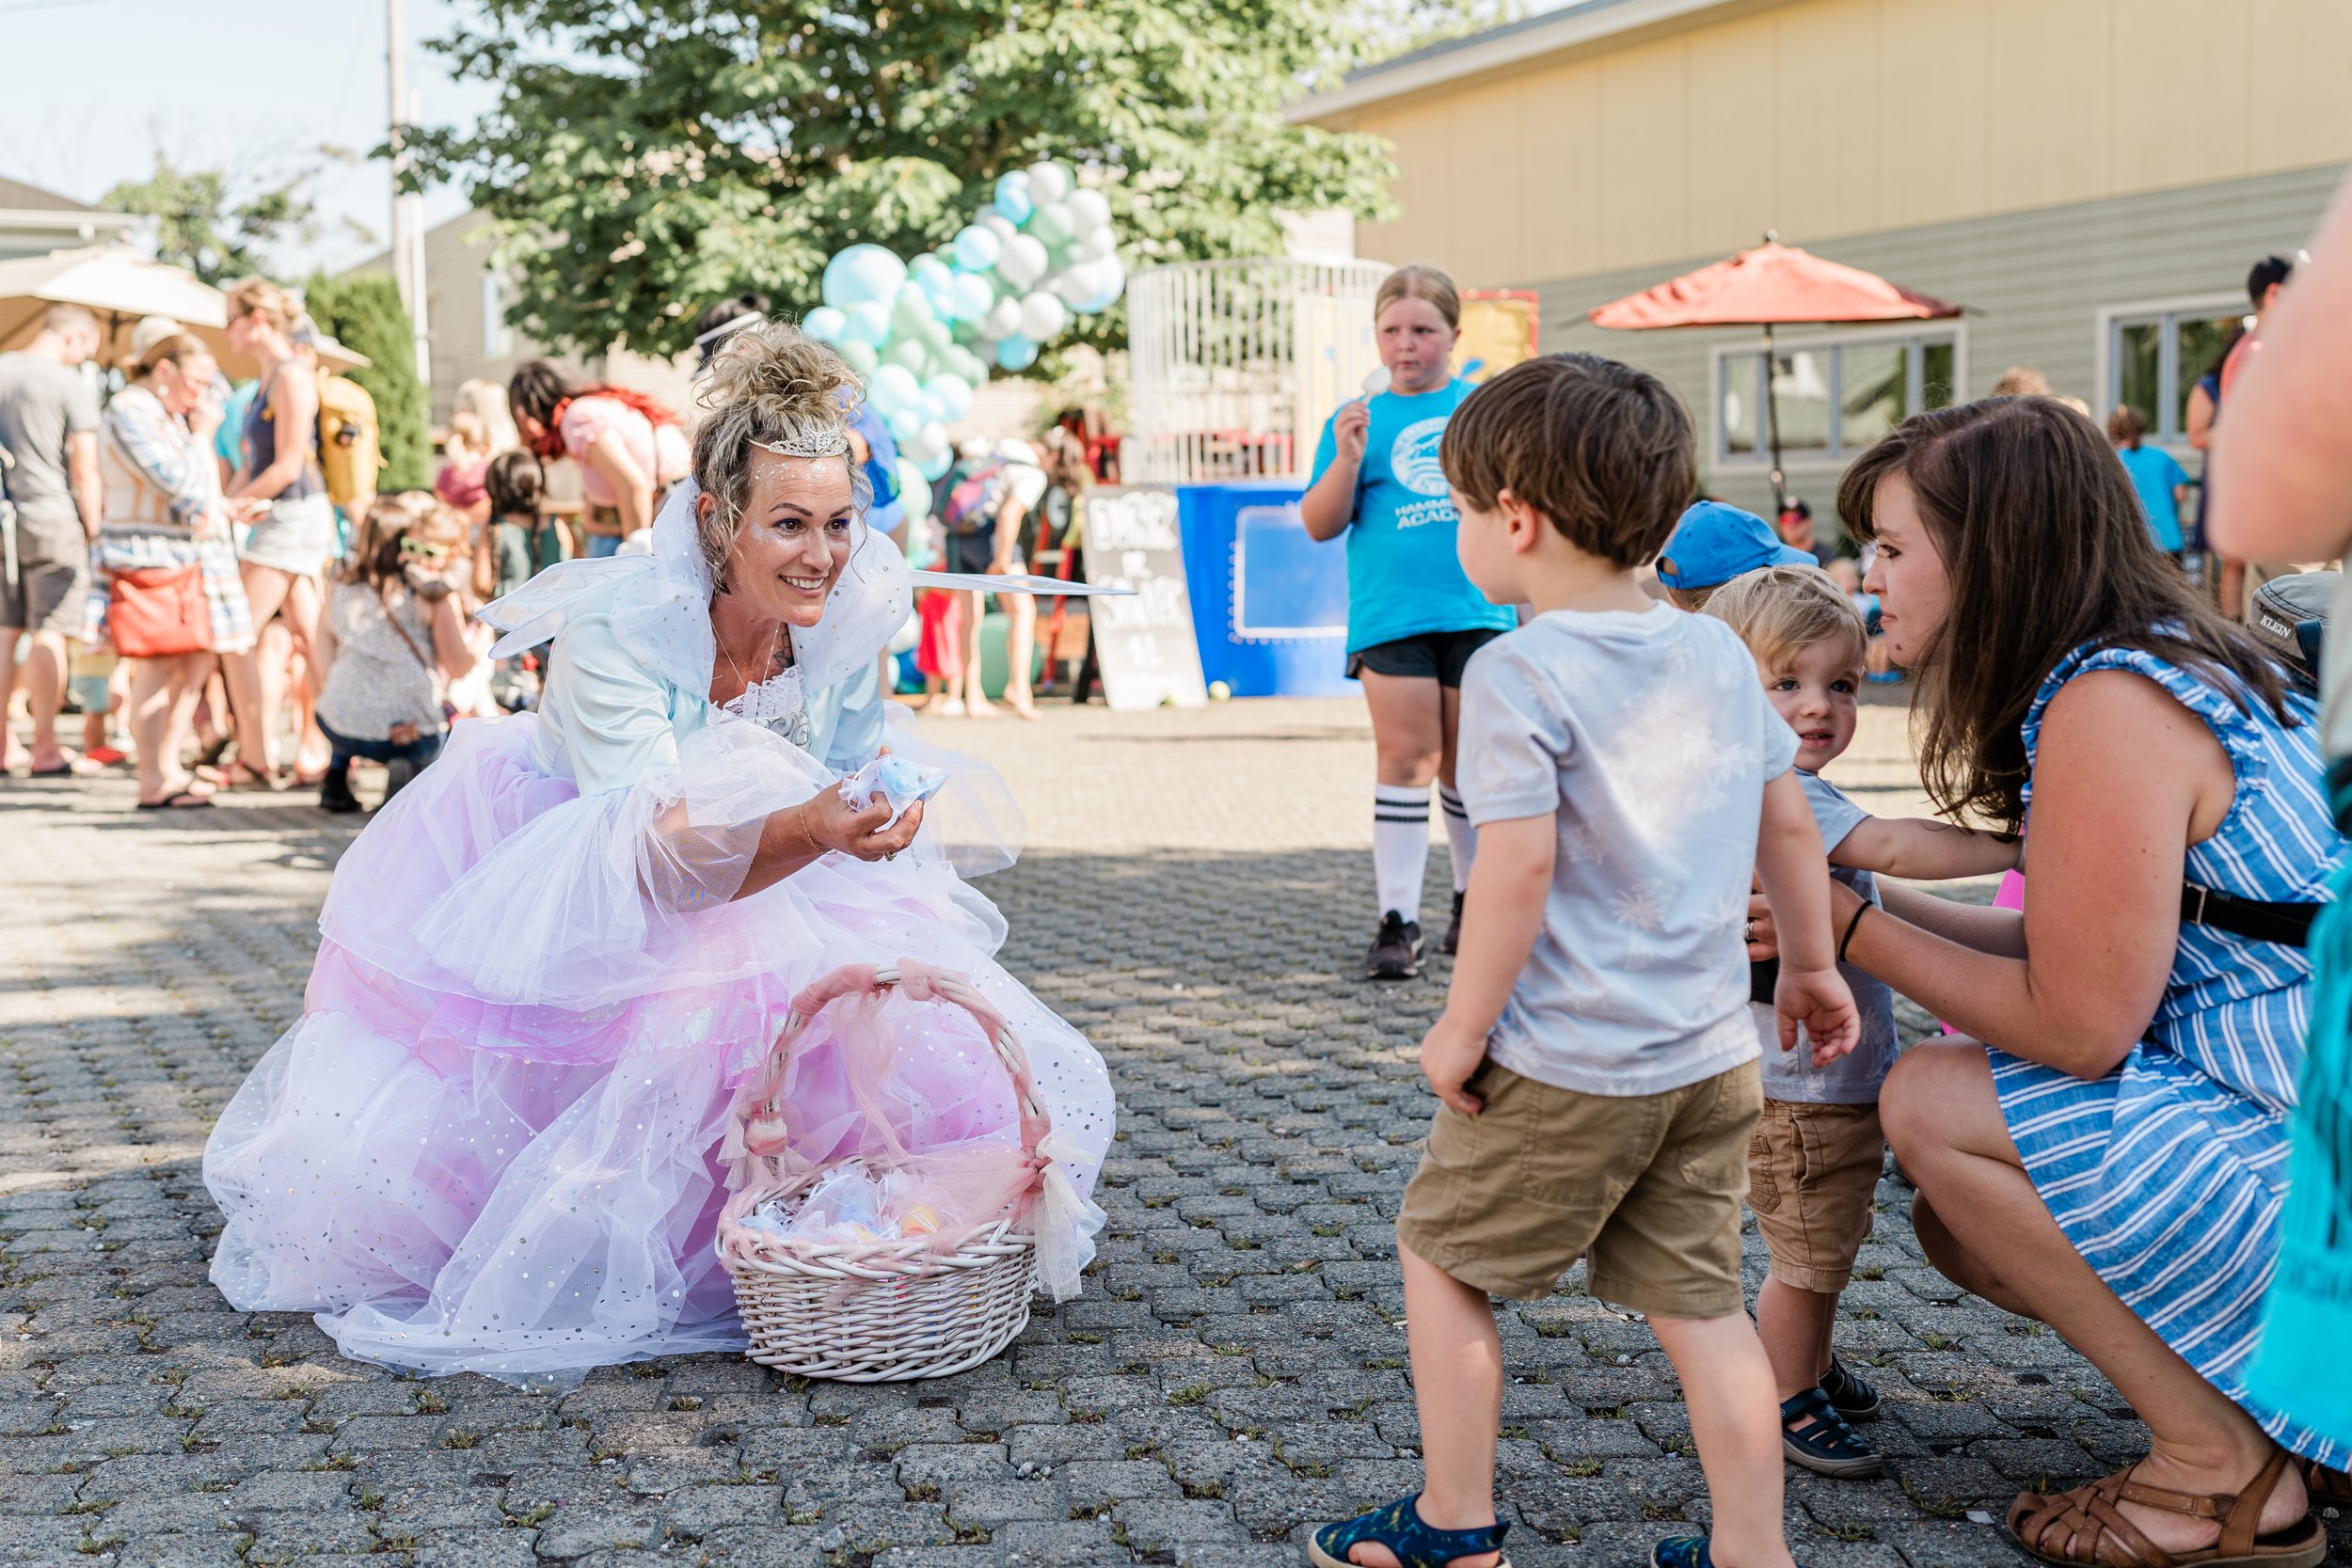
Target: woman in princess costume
pixel 493 1142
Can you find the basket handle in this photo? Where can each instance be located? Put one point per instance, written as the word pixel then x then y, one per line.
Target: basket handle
pixel 922 983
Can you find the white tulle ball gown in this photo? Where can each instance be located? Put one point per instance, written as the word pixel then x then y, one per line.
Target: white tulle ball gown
pixel 492 1142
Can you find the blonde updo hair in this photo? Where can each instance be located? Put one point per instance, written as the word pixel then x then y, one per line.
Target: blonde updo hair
pixel 258 296
pixel 770 384
pixel 1426 284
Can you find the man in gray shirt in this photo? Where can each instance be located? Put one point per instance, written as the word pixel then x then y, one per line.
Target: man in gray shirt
pixel 48 424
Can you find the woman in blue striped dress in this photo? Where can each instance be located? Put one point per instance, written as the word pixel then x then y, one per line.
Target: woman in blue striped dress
pixel 2113 1159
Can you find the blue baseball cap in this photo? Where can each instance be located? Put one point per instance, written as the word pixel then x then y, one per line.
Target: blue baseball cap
pixel 1714 542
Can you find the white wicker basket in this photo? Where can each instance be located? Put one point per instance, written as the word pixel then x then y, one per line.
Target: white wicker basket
pixel 882 1311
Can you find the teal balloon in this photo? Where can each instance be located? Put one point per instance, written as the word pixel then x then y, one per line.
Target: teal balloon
pixel 861 275
pixel 1012 196
pixel 911 312
pixel 970 296
pixel 935 467
pixel 867 322
pixel 977 248
pixel 1016 353
pixel 953 394
pixel 929 270
pixel 860 357
pixel 907 354
pixel 894 389
pixel 914 489
pixel 1052 225
pixel 967 367
pixel 905 423
pixel 824 324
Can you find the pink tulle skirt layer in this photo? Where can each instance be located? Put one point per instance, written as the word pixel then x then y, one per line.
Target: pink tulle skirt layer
pixel 492 1142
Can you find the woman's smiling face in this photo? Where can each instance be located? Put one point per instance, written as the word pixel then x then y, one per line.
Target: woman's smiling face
pixel 1915 590
pixel 799 517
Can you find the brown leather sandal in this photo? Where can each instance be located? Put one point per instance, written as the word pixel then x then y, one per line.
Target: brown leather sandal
pixel 2324 1485
pixel 2090 1531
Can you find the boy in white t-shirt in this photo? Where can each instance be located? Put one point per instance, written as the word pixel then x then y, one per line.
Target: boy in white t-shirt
pixel 1596 1063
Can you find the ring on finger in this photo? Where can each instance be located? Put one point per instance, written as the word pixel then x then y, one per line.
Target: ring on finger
pixel 1748 931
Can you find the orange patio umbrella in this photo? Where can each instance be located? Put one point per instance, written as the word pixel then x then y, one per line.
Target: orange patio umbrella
pixel 1773 285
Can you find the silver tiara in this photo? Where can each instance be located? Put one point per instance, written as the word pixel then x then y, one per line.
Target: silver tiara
pixel 820 443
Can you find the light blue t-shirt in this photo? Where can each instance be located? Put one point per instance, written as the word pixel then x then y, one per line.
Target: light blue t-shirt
pixel 2154 475
pixel 1852 1079
pixel 1403 576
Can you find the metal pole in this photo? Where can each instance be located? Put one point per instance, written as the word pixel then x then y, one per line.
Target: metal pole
pixel 400 112
pixel 1772 427
pixel 419 307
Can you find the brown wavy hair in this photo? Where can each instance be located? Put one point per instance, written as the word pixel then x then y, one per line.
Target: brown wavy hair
pixel 2045 551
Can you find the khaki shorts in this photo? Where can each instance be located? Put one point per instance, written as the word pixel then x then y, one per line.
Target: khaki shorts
pixel 49 590
pixel 1648 1186
pixel 1812 1172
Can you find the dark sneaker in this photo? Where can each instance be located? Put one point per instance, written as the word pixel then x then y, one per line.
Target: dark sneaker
pixel 1397 951
pixel 397 773
pixel 335 794
pixel 1814 1435
pixel 1450 943
pixel 1847 1394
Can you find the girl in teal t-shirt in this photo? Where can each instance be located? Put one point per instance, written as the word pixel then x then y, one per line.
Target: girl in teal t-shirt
pixel 1413 619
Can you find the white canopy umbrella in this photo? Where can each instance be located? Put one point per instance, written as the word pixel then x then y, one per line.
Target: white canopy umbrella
pixel 119 286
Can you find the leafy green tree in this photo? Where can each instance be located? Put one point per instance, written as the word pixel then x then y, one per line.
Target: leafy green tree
pixel 218 225
pixel 363 313
pixel 647 160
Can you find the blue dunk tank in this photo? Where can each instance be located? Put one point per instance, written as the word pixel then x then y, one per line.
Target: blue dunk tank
pixel 1269 604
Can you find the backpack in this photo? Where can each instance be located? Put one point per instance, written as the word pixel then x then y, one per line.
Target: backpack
pixel 351 447
pixel 967 510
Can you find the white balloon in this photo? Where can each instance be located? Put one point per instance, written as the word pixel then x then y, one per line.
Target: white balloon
pixel 1079 282
pixel 927 443
pixel 1042 317
pixel 1097 244
pixel 1023 263
pixel 1089 210
pixel 1048 182
pixel 999 225
pixel 1002 319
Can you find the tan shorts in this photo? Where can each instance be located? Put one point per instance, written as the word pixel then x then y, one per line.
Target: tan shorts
pixel 1812 1172
pixel 1647 1186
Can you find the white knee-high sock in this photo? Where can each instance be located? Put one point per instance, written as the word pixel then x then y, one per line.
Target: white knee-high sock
pixel 1400 846
pixel 1460 837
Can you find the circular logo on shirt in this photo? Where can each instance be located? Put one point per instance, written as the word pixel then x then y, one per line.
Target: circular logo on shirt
pixel 1414 457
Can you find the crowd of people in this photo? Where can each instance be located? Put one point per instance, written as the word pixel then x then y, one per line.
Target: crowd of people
pixel 1675 957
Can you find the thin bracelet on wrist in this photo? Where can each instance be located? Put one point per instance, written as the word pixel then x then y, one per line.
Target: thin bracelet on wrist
pixel 1847 941
pixel 807 833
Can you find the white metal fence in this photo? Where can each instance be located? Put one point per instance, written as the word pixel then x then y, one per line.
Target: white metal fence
pixel 1235 365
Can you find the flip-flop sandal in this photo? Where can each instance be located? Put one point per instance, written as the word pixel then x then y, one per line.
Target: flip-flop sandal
pixel 183 799
pixel 1849 1395
pixel 2076 1529
pixel 64 772
pixel 1824 1444
pixel 1398 1527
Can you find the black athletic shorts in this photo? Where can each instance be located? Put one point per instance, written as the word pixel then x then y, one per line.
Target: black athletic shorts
pixel 969 552
pixel 1438 654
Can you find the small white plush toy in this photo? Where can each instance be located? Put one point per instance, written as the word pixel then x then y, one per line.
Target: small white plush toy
pixel 896 780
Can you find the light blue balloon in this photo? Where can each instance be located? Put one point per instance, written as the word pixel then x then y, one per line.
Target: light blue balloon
pixel 1108 295
pixel 863 273
pixel 954 394
pixel 894 389
pixel 977 248
pixel 936 469
pixel 905 423
pixel 928 271
pixel 967 367
pixel 908 354
pixel 934 411
pixel 824 324
pixel 1012 196
pixel 867 322
pixel 1016 353
pixel 970 295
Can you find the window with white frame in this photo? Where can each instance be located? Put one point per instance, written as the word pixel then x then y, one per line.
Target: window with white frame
pixel 2151 355
pixel 498 339
pixel 1834 395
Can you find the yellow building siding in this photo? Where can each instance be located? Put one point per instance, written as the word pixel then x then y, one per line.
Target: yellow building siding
pixel 1822 118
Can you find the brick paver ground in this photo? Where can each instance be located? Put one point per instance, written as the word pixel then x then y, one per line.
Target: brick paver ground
pixel 1194 897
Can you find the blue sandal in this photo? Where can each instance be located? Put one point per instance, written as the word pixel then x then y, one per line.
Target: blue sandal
pixel 1398 1527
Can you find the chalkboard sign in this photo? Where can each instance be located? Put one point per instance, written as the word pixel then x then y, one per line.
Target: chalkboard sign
pixel 1145 643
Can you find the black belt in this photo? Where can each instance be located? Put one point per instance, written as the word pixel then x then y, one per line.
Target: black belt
pixel 2288 925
